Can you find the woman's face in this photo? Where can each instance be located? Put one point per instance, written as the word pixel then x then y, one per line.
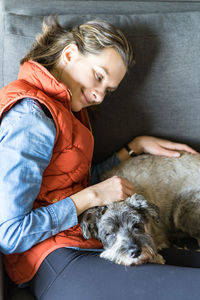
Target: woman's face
pixel 89 77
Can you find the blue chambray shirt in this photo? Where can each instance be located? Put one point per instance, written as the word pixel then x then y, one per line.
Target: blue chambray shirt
pixel 27 137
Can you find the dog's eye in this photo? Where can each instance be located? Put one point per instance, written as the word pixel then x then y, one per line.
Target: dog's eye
pixel 110 234
pixel 136 226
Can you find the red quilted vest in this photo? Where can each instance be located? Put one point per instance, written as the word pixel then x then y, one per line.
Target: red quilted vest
pixel 67 172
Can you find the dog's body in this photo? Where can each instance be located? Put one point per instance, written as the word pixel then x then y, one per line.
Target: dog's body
pixel 171 184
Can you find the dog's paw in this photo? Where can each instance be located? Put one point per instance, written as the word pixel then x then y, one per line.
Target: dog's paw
pixel 159 259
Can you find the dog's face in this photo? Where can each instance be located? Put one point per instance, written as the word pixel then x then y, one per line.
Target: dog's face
pixel 121 229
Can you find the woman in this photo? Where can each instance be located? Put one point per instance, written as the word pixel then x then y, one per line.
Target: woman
pixel 45 156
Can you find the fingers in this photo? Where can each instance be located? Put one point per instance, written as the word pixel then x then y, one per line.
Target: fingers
pixel 169 153
pixel 183 147
pixel 168 148
pixel 128 188
pixel 157 146
pixel 113 189
pixel 121 187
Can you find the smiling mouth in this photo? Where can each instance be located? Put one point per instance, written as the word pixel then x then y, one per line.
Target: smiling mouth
pixel 85 97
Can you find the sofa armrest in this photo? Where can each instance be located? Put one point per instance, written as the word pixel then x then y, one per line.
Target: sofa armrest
pixel 1 278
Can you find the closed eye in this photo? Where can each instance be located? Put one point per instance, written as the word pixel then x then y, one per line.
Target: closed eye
pixel 110 234
pixel 136 226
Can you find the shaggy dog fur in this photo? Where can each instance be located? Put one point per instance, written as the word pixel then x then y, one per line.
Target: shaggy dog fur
pixel 129 229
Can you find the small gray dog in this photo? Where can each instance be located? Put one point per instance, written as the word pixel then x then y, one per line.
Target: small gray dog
pixel 129 230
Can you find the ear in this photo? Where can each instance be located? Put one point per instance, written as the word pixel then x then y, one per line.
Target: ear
pixel 69 53
pixel 89 220
pixel 147 209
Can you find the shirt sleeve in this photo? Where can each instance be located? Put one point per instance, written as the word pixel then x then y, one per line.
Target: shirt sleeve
pixel 27 139
pixel 98 170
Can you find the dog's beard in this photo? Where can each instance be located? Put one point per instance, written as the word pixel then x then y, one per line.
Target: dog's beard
pixel 120 255
pixel 123 258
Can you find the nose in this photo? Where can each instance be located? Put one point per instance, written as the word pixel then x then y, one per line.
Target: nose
pixel 134 251
pixel 98 96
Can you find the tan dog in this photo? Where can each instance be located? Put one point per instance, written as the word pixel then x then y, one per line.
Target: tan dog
pixel 172 184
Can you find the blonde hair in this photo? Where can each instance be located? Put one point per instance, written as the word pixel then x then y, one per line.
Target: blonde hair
pixel 91 37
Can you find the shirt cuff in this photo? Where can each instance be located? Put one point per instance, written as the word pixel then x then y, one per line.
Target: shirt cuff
pixel 63 214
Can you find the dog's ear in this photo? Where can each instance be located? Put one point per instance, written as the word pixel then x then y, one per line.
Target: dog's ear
pixel 88 221
pixel 147 209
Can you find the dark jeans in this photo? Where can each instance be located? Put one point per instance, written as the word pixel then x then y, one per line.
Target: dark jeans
pixel 72 275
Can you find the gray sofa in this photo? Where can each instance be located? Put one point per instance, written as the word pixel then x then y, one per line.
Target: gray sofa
pixel 160 96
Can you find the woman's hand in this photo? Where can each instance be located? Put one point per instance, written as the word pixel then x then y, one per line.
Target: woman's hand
pixel 157 146
pixel 103 193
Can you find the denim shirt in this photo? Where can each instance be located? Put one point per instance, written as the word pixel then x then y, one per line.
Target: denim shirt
pixel 27 137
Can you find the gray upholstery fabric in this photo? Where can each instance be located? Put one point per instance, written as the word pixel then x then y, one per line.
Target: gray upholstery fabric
pixel 160 96
pixel 29 7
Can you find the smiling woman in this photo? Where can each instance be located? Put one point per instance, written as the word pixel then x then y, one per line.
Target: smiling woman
pixel 91 59
pixel 89 77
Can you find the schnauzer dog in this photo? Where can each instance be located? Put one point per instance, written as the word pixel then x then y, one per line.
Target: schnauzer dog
pixel 132 231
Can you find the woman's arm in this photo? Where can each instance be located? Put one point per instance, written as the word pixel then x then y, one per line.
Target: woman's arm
pixel 101 168
pixel 26 142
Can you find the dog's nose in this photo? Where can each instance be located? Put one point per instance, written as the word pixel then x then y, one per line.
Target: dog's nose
pixel 134 251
